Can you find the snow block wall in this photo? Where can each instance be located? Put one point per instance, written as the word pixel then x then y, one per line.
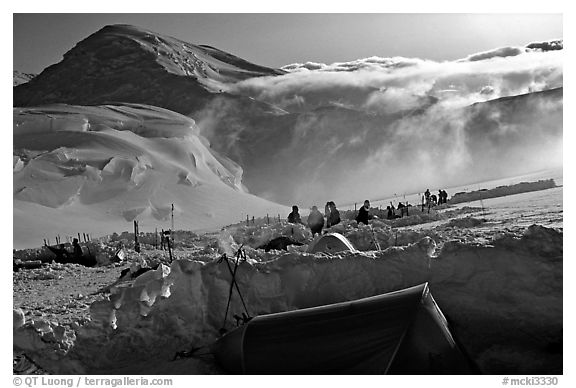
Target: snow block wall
pixel 501 191
pixel 174 309
pixel 503 301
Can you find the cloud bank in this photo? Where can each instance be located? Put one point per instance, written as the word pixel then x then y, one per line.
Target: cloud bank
pixel 377 126
pixel 504 71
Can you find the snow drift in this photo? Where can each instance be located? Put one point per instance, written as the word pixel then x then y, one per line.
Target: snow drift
pixel 116 163
pixel 503 300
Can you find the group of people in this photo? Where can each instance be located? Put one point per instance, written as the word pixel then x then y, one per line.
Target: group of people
pixel 363 215
pixel 316 218
pixel 432 199
pixel 63 255
pixel 331 217
pixel 317 221
pixel 392 211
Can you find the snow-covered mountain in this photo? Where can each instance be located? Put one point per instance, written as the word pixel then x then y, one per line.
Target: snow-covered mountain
pixel 309 133
pixel 96 169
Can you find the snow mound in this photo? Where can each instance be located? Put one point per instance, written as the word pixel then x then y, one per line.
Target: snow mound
pixel 94 253
pixel 378 235
pixel 504 299
pixel 256 236
pixel 466 222
pixel 546 242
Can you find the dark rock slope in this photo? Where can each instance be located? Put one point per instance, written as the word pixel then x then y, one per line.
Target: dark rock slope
pixel 122 63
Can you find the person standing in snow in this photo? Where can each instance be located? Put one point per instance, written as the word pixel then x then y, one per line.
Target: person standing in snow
pixel 77 248
pixel 333 217
pixel 315 221
pixel 327 210
pixel 402 208
pixel 363 214
pixel 294 216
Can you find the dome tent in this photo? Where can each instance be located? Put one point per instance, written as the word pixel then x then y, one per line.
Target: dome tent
pixel 331 243
pixel 402 332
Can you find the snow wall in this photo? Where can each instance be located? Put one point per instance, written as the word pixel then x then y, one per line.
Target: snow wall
pixel 503 301
pixel 501 191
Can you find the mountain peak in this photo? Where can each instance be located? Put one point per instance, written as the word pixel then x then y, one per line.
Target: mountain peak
pixel 114 63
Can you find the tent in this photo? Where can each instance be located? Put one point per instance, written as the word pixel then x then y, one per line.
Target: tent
pixel 402 332
pixel 331 243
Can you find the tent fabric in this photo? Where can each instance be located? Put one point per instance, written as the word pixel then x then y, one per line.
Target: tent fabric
pixel 399 332
pixel 331 243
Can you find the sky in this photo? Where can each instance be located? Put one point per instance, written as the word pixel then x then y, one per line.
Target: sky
pixel 275 40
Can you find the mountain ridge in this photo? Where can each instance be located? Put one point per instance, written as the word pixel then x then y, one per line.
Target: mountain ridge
pixel 123 63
